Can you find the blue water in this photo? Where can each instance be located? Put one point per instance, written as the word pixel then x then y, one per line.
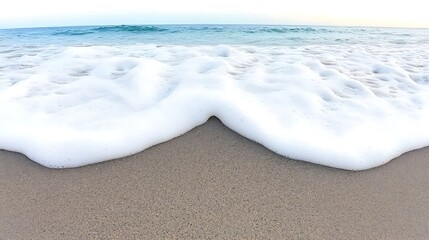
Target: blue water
pixel 265 35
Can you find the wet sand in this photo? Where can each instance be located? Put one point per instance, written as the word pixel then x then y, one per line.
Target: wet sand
pixel 211 183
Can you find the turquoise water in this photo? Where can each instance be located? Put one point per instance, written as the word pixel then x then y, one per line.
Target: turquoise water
pixel 213 35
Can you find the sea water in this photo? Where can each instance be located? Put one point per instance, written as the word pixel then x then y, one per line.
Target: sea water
pixel 345 97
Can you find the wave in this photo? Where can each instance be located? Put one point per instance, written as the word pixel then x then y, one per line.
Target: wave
pixel 146 29
pixel 107 29
pixel 284 30
pixel 130 28
pixel 342 106
pixel 72 32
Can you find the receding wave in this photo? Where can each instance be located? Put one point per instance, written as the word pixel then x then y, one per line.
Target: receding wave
pixel 338 105
pixel 343 97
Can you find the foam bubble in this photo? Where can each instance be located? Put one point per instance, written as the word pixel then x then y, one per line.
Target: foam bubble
pixel 348 107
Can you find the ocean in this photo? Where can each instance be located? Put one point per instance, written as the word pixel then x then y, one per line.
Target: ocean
pixel 345 97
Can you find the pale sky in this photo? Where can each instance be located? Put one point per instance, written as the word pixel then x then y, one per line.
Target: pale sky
pixel 41 13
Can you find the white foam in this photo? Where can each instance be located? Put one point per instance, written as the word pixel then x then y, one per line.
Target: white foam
pixel 342 106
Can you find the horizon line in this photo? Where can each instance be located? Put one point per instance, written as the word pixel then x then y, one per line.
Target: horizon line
pixel 218 24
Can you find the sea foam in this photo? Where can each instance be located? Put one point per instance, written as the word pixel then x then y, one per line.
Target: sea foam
pixel 352 107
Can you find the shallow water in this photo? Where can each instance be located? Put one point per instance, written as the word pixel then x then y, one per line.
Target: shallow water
pixel 350 98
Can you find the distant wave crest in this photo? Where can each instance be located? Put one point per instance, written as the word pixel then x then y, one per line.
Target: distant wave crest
pixel 141 29
pixel 283 30
pixel 120 28
pixel 130 28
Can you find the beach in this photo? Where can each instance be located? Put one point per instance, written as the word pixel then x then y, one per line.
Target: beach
pixel 212 183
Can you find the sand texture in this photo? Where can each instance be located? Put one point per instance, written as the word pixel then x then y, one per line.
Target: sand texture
pixel 211 183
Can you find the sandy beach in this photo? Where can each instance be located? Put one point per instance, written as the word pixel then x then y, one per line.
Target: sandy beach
pixel 211 183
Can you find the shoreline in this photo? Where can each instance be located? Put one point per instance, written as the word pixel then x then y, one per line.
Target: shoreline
pixel 213 183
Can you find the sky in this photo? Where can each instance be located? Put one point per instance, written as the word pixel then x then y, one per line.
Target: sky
pixel 45 13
